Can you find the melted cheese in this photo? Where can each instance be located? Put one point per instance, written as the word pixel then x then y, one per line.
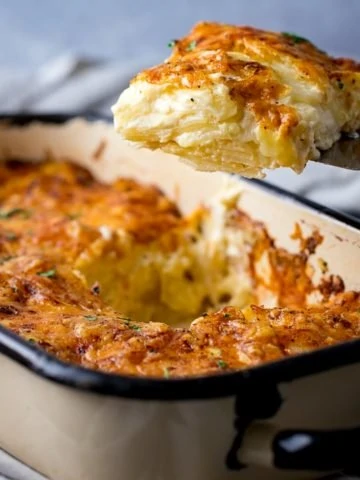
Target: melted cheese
pixel 103 275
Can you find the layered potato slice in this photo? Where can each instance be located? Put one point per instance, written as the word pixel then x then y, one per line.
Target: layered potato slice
pixel 241 100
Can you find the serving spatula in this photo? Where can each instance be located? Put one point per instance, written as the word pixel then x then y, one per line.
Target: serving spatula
pixel 345 153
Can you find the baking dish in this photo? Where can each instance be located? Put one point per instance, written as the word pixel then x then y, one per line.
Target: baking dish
pixel 271 421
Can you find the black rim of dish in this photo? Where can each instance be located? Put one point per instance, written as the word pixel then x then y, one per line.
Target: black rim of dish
pixel 212 386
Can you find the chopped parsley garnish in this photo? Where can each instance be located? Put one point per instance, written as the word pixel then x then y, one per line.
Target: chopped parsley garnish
pixel 10 236
pixel 294 38
pixel 340 84
pixel 227 315
pixel 5 259
pixel 166 372
pixel 222 364
pixel 191 46
pixel 172 43
pixel 134 327
pixel 48 273
pixel 128 323
pixel 91 317
pixel 4 215
pixel 73 216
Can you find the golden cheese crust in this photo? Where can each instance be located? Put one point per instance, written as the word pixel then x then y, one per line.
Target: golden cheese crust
pixel 69 321
pixel 98 274
pixel 240 99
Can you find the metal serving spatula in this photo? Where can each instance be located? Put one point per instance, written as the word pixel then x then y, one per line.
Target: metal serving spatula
pixel 345 153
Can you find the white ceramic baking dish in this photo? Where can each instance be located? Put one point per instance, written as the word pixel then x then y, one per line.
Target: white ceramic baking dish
pixel 268 422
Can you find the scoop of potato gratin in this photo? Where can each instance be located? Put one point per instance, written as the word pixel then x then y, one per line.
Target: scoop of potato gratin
pixel 241 100
pixel 115 278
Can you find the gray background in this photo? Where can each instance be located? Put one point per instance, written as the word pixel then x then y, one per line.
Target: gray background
pixel 34 31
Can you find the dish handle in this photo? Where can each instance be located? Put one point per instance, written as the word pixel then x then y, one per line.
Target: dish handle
pixel 318 450
pixel 300 449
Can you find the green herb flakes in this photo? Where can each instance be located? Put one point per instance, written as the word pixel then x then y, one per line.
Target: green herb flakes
pixel 137 328
pixel 340 84
pixel 11 236
pixel 294 38
pixel 128 323
pixel 166 372
pixel 5 215
pixel 48 273
pixel 73 216
pixel 191 46
pixel 172 43
pixel 227 315
pixel 5 259
pixel 91 318
pixel 222 364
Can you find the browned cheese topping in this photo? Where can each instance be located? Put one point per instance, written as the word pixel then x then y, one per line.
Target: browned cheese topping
pixel 103 275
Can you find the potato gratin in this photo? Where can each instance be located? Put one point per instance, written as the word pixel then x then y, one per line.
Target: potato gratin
pixel 111 277
pixel 241 100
